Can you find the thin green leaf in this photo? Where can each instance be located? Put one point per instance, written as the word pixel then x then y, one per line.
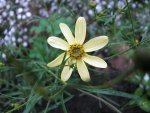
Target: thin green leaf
pixel 31 103
pixel 112 92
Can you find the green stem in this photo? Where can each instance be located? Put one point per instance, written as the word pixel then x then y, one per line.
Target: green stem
pixel 102 100
pixel 59 92
pixel 110 57
pixel 46 109
pixel 16 108
pixel 109 84
pixel 131 20
pixel 50 72
pixel 63 104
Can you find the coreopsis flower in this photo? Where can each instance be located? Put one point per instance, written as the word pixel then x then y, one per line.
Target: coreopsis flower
pixel 76 51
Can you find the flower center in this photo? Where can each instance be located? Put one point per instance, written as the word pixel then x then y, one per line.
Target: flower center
pixel 76 51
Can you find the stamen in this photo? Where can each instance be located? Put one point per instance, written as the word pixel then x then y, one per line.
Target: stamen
pixel 76 51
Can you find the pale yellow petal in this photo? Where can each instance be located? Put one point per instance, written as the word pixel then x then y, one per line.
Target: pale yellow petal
pixel 58 43
pixel 66 72
pixel 67 33
pixel 94 61
pixel 83 71
pixel 80 30
pixel 95 43
pixel 56 61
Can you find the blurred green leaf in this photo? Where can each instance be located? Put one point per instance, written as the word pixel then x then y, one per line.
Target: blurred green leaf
pixel 112 92
pixel 144 104
pixel 31 103
pixel 139 91
pixel 110 19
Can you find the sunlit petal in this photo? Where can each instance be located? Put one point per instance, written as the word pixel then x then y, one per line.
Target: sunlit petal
pixel 58 43
pixel 67 33
pixel 94 61
pixel 66 72
pixel 83 71
pixel 80 30
pixel 57 61
pixel 95 43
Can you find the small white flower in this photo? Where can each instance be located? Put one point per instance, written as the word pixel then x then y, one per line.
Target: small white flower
pixel 25 37
pixel 13 39
pixel 19 40
pixel 146 77
pixel 13 29
pixel 7 38
pixel 28 14
pixel 17 1
pixel 11 13
pixel 24 44
pixel 20 10
pixel 23 16
pixel 5 31
pixel 8 6
pixel 90 12
pixel 99 8
pixel 3 55
pixel 4 14
pixel 12 22
pixel 19 16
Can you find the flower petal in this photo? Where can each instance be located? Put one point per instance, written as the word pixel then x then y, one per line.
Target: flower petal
pixel 95 43
pixel 58 43
pixel 66 72
pixel 94 61
pixel 80 30
pixel 83 71
pixel 56 61
pixel 67 33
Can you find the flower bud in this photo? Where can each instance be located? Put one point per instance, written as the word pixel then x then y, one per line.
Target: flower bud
pixel 92 3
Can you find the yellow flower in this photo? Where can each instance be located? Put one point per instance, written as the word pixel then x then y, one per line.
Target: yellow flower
pixel 76 50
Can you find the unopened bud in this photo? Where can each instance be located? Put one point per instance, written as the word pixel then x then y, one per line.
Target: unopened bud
pixel 121 10
pixel 92 3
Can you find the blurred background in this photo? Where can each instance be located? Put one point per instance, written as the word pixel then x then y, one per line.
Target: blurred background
pixel 26 84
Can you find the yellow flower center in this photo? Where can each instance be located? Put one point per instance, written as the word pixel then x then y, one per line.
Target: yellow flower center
pixel 76 51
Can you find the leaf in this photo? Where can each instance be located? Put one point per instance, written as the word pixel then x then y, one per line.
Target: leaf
pixel 43 22
pixel 144 104
pixel 139 91
pixel 57 104
pixel 110 19
pixel 112 92
pixel 31 103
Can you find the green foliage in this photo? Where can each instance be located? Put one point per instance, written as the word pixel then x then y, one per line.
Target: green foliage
pixel 27 83
pixel 112 92
pixel 48 25
pixel 142 91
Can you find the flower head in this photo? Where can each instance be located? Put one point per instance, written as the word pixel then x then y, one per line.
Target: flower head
pixel 77 51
